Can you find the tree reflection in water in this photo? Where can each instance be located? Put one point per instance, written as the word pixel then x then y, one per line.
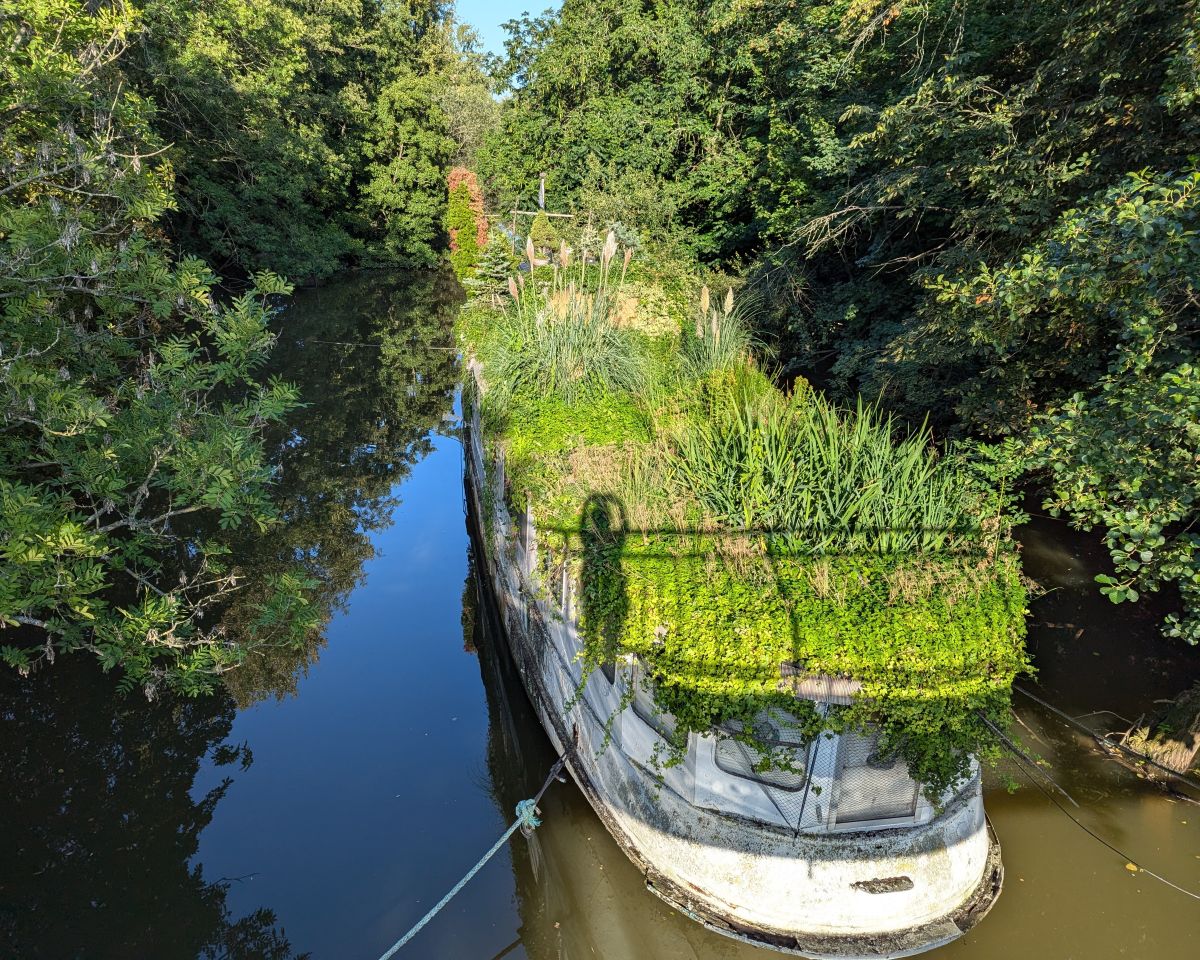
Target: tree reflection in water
pixel 100 824
pixel 374 358
pixel 100 821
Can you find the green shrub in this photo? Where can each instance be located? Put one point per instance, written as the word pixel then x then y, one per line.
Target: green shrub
pixel 542 233
pixel 496 265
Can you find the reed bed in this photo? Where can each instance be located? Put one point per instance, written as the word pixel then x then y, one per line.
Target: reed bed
pixel 819 480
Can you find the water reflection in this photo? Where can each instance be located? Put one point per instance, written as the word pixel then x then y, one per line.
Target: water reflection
pixel 373 356
pixel 100 824
pixel 1091 655
pixel 107 795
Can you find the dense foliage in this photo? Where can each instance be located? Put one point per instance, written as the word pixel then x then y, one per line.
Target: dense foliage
pixel 935 642
pixel 139 426
pixel 722 531
pixel 465 222
pixel 978 212
pixel 115 364
pixel 303 135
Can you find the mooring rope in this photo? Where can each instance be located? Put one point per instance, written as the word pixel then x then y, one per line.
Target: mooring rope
pixel 526 818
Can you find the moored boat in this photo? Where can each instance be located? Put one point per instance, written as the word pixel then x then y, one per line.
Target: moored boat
pixel 771 636
pixel 837 853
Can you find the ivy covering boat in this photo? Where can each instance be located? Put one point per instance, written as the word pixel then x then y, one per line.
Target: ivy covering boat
pixel 776 637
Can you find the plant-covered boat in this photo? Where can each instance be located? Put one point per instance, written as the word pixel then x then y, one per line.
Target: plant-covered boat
pixel 775 638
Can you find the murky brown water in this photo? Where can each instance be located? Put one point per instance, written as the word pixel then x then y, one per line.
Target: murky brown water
pixel 327 806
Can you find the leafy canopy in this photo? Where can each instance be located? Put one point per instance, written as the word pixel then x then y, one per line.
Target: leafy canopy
pixel 870 166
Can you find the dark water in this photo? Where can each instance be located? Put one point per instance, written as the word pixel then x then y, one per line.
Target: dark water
pixel 332 797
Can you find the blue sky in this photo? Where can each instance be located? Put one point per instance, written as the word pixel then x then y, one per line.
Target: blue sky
pixel 487 15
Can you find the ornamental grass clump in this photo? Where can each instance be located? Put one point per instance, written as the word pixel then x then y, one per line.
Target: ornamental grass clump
pixel 562 338
pixel 820 480
pixel 722 338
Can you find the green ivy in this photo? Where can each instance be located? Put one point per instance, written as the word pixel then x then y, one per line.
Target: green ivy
pixel 460 222
pixel 935 643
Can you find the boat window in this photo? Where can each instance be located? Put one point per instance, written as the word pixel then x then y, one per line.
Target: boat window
pixel 779 732
pixel 872 785
pixel 645 707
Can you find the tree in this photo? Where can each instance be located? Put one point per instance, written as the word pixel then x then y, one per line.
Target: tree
pixel 496 267
pixel 622 98
pixel 965 153
pixel 305 135
pixel 1123 455
pixel 261 185
pixel 127 398
pixel 407 149
pixel 465 96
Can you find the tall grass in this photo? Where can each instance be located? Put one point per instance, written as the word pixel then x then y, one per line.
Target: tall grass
pixel 722 338
pixel 562 337
pixel 822 480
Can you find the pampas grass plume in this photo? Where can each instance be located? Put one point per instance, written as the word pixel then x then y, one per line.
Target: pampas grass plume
pixel 610 248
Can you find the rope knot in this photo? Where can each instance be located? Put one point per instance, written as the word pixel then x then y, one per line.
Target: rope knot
pixel 527 814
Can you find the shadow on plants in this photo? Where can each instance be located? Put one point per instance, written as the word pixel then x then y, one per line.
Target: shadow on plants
pixel 603 524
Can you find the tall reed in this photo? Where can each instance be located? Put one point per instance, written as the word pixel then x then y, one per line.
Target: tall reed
pixel 821 480
pixel 722 338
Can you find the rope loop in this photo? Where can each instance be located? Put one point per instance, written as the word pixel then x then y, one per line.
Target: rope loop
pixel 526 821
pixel 527 814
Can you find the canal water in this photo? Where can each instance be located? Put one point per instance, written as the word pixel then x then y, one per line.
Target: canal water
pixel 325 802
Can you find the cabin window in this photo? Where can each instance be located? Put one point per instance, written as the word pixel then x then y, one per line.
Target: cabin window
pixel 777 731
pixel 644 706
pixel 872 785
